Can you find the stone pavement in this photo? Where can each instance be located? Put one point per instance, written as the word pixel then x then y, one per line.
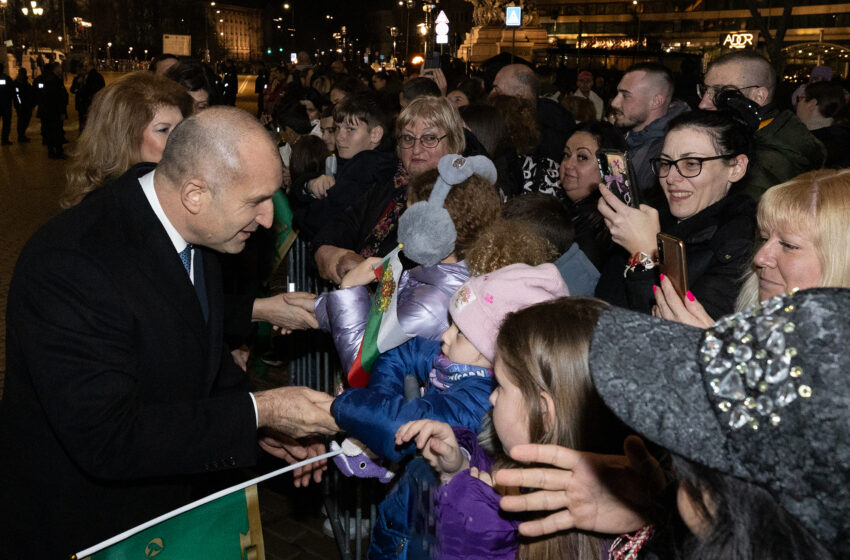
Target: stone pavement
pixel 30 186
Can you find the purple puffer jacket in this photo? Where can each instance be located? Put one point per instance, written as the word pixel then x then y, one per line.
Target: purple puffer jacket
pixel 423 303
pixel 470 524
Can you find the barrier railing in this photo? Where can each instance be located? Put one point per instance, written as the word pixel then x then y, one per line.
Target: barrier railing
pixel 314 363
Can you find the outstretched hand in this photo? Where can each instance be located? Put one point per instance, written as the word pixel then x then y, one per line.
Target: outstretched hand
pixel 632 228
pixel 293 451
pixel 295 411
pixel 437 442
pixel 287 312
pixel 588 491
pixel 362 274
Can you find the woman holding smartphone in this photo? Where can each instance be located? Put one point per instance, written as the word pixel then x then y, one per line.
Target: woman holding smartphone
pixel 580 177
pixel 805 243
pixel 704 154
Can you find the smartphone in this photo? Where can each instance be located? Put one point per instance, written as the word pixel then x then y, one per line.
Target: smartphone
pixel 618 175
pixel 433 60
pixel 671 256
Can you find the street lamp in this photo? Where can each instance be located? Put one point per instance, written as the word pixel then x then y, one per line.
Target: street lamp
pixel 37 11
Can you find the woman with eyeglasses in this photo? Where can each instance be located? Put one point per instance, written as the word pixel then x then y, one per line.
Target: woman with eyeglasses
pixel 704 154
pixel 804 243
pixel 426 130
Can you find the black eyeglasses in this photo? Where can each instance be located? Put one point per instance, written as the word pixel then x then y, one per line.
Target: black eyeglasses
pixel 427 140
pixel 688 167
pixel 711 91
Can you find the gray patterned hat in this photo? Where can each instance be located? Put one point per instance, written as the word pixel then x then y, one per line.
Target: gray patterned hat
pixel 763 396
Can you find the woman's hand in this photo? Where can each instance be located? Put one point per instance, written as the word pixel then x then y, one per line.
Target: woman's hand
pixel 437 442
pixel 588 491
pixel 362 274
pixel 633 229
pixel 334 262
pixel 669 306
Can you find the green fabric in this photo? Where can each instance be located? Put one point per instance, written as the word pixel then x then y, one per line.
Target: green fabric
pixel 282 236
pixel 783 149
pixel 208 532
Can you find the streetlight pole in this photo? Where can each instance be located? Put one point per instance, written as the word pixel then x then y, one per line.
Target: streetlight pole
pixel 3 5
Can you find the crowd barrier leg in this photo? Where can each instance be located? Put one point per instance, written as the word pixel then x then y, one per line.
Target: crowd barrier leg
pixel 314 364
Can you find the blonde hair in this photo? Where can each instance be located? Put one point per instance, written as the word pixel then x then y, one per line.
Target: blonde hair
pixel 819 202
pixel 437 112
pixel 507 242
pixel 110 142
pixel 544 348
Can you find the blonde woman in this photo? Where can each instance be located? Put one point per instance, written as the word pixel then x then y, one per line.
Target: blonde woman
pixel 805 243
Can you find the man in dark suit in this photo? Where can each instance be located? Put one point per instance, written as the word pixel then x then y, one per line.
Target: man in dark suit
pixel 120 399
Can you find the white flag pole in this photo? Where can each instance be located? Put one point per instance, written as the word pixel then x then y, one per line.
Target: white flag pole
pixel 138 529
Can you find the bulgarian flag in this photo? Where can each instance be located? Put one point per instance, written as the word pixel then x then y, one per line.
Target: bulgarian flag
pixel 382 329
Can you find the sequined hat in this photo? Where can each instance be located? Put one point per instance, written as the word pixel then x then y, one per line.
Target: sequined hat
pixel 763 396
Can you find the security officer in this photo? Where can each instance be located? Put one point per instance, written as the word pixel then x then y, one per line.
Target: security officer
pixel 24 101
pixel 7 92
pixel 52 108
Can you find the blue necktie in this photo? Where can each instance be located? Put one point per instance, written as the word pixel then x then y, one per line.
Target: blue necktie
pixel 186 257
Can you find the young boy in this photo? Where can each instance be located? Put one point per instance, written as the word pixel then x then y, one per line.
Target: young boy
pixel 364 157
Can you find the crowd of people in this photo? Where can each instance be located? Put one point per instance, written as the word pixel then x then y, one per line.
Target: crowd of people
pixel 536 371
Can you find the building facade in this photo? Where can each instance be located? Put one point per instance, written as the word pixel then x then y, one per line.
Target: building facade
pixel 238 31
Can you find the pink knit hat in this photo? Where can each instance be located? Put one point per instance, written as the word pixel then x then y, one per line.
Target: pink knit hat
pixel 479 306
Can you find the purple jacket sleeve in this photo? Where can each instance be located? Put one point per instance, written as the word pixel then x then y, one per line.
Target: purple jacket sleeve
pixel 469 521
pixel 344 313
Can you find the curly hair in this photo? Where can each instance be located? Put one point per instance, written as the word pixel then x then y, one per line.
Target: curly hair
pixel 507 242
pixel 520 116
pixel 110 143
pixel 472 205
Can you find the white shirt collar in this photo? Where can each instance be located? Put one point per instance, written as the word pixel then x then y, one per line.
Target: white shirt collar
pixel 176 239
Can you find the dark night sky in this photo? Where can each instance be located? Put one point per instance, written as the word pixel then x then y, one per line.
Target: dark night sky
pixel 310 14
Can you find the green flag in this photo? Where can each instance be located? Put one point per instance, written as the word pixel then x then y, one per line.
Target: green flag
pixel 227 528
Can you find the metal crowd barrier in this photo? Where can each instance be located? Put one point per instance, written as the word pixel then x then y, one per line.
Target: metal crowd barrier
pixel 314 363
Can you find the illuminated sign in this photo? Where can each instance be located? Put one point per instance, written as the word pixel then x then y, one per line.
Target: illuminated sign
pixel 740 40
pixel 513 16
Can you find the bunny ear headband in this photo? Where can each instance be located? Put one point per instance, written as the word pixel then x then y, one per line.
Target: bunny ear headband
pixel 426 229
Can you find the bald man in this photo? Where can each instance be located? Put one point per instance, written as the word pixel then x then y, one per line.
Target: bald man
pixel 556 123
pixel 784 147
pixel 119 394
pixel 643 108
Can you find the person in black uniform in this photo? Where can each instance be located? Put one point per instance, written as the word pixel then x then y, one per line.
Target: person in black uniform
pixel 7 91
pixel 24 101
pixel 52 108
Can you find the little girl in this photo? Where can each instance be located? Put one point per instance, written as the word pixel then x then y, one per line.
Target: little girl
pixel 458 380
pixel 543 394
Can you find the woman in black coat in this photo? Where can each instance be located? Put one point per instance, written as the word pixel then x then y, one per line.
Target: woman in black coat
pixel 704 154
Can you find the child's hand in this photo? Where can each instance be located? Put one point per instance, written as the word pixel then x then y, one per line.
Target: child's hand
pixel 362 274
pixel 320 186
pixel 483 476
pixel 437 442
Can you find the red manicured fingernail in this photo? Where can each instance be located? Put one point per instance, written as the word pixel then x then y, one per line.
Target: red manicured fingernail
pixel 662 278
pixel 654 289
pixel 690 296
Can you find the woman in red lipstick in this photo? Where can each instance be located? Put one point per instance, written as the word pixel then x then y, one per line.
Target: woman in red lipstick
pixel 704 155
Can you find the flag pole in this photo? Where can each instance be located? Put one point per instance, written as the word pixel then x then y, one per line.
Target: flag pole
pixel 166 516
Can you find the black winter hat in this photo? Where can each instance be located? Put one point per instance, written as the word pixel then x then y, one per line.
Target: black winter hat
pixel 763 396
